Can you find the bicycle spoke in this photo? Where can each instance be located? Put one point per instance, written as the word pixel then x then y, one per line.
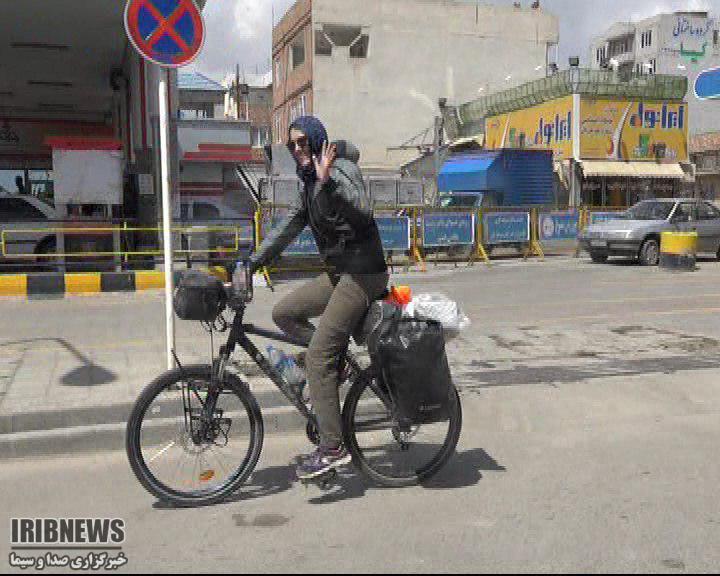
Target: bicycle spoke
pixel 394 455
pixel 162 451
pixel 219 460
pixel 201 457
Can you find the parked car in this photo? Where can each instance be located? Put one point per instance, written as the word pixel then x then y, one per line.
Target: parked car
pixel 636 233
pixel 208 213
pixel 21 212
pixel 468 200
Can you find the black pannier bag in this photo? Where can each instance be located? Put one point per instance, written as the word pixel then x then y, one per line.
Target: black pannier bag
pixel 415 366
pixel 199 296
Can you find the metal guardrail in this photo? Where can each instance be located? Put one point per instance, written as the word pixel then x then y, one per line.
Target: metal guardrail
pixel 425 230
pixel 183 231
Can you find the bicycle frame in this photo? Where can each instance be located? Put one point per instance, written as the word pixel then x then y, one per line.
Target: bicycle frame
pixel 239 337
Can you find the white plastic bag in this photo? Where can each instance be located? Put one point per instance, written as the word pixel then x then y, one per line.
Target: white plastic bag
pixel 439 308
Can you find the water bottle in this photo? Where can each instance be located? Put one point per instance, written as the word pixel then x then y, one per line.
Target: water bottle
pixel 288 368
pixel 276 358
pixel 293 373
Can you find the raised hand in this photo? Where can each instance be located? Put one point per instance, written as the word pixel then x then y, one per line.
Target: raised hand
pixel 327 159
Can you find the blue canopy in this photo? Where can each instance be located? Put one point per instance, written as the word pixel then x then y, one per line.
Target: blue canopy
pixel 466 173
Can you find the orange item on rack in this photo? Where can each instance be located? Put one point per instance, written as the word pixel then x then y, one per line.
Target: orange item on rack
pixel 400 295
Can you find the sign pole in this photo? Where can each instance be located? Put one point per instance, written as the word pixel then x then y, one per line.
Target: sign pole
pixel 171 35
pixel 167 217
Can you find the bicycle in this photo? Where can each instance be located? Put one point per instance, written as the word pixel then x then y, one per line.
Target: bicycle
pixel 192 412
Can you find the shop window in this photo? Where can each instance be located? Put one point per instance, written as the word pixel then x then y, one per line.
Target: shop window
pixel 707 212
pixel 323 47
pixel 42 185
pixel 260 137
pixel 297 51
pixel 12 182
pixel 341 35
pixel 685 212
pixel 203 211
pixel 334 35
pixel 15 209
pixel 360 48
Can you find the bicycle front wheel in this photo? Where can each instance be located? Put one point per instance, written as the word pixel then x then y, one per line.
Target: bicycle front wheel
pixel 388 454
pixel 186 454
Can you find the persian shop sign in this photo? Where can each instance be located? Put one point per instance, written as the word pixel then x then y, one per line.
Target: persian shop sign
pixel 685 27
pixel 546 126
pixel 632 130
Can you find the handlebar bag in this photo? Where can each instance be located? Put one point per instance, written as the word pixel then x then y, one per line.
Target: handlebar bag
pixel 199 296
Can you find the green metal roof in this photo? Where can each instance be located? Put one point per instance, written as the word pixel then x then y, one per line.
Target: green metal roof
pixel 465 119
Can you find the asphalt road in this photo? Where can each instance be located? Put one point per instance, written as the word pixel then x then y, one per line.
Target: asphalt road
pixel 591 400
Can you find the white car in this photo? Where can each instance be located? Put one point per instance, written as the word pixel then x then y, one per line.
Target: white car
pixel 19 212
pixel 198 214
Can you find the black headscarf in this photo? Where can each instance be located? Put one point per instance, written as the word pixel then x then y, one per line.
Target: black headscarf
pixel 316 135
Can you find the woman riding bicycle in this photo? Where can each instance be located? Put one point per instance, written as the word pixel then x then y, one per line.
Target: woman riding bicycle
pixel 334 203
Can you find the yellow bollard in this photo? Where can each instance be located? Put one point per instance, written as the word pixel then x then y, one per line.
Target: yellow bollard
pixel 678 250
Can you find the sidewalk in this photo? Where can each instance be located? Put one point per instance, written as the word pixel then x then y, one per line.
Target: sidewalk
pixel 71 369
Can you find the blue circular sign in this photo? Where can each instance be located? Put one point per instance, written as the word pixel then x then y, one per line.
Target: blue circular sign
pixel 707 84
pixel 169 33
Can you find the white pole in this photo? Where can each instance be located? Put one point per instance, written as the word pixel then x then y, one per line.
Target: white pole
pixel 167 218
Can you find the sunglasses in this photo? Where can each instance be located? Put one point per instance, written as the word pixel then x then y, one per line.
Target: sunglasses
pixel 300 143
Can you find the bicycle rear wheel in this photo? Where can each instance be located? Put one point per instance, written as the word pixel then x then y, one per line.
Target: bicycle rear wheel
pixel 388 454
pixel 179 454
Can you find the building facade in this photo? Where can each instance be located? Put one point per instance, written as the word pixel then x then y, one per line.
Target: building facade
pixel 681 43
pixel 213 150
pixel 614 142
pixel 374 71
pixel 705 155
pixel 251 100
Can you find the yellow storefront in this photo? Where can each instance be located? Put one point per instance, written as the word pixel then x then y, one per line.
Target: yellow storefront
pixel 621 150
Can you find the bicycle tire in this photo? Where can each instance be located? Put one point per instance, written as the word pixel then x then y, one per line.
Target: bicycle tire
pixel 419 475
pixel 133 447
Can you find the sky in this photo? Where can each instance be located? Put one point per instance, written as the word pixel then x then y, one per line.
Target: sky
pixel 240 31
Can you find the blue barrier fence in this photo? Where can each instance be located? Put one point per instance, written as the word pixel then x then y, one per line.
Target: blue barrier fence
pixel 559 225
pixel 394 233
pixel 408 230
pixel 448 229
pixel 506 228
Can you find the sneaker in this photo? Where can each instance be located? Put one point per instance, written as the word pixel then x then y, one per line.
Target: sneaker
pixel 322 461
pixel 299 359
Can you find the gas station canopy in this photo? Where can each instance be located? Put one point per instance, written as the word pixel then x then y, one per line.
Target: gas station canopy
pixel 57 58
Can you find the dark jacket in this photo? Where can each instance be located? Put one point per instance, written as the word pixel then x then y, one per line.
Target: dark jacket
pixel 340 217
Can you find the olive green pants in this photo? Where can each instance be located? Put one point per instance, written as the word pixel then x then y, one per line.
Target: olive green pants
pixel 340 302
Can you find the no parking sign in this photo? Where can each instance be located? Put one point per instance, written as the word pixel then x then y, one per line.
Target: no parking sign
pixel 169 33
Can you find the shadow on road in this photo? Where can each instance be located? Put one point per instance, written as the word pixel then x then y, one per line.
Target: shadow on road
pixel 463 470
pixel 520 374
pixel 89 374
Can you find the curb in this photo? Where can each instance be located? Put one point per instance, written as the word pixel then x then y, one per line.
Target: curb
pixel 98 428
pixel 59 285
pixel 89 416
pixel 108 437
